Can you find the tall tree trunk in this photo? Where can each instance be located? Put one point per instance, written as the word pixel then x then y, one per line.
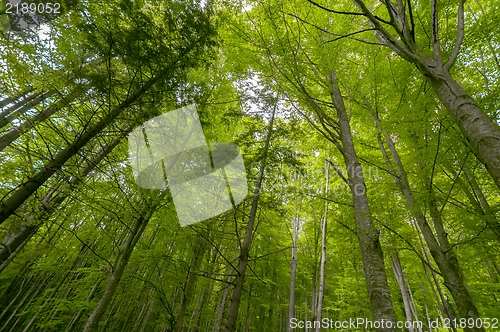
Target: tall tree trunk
pixel 482 132
pixel 232 315
pixel 6 116
pixel 24 191
pixel 222 304
pixel 117 270
pixel 293 267
pixel 324 224
pixel 15 98
pixel 368 237
pixel 413 305
pixel 439 248
pixel 15 242
pixel 400 278
pixel 33 100
pixel 41 116
pixel 187 291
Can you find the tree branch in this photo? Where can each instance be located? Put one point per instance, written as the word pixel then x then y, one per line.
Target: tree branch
pixel 436 47
pixel 387 38
pixel 460 37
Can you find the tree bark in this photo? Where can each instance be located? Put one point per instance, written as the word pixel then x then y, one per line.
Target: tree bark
pixel 441 251
pixel 399 275
pixel 368 237
pixel 293 267
pixel 245 246
pixel 324 224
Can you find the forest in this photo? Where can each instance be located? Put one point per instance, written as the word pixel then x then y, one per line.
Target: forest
pixel 333 165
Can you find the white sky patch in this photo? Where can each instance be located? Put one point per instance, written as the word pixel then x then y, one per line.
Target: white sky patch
pixel 254 94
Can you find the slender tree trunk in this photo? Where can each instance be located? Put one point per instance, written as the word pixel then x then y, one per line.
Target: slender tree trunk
pixel 314 291
pixel 426 308
pixel 368 237
pixel 398 273
pixel 15 98
pixel 24 191
pixel 489 216
pixel 17 108
pixel 76 318
pixel 324 224
pixel 439 248
pixel 191 277
pixel 222 304
pixel 29 105
pixel 41 116
pixel 293 267
pixel 413 305
pixel 245 246
pixel 118 269
pixel 14 243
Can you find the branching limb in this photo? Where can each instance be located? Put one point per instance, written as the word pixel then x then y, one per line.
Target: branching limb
pixel 387 38
pixel 337 11
pixel 460 37
pixel 339 172
pixel 412 22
